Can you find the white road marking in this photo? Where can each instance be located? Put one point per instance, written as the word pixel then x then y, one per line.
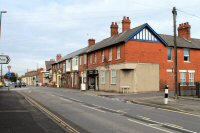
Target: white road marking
pixel 92 108
pixel 119 111
pixel 144 124
pixel 61 98
pixel 166 124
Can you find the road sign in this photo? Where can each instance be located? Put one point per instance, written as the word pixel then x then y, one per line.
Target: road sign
pixel 9 74
pixel 4 59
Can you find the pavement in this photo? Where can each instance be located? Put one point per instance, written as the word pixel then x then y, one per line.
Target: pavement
pixel 19 116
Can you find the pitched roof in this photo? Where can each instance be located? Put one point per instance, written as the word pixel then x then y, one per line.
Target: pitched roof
pixel 181 42
pixel 119 38
pixel 75 53
pixel 48 64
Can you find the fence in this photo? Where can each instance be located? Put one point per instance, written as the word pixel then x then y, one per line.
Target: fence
pixel 189 89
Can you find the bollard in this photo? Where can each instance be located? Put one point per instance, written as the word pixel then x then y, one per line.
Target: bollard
pixel 166 94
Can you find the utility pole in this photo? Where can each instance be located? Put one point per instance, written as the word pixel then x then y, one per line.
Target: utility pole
pixel 174 12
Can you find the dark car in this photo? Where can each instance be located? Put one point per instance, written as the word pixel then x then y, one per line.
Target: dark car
pixel 18 85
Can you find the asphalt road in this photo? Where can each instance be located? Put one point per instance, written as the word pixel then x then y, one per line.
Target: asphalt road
pixel 90 113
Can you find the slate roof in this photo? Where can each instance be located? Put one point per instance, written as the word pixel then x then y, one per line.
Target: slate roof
pixel 48 64
pixel 181 42
pixel 124 36
pixel 120 38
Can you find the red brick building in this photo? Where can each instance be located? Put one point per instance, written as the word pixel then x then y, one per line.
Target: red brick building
pixel 138 59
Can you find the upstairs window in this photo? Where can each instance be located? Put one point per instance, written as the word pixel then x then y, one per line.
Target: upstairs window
pixel 85 59
pixel 76 61
pixel 118 52
pixel 80 60
pixel 170 54
pixel 186 55
pixel 110 54
pixel 103 56
pixel 95 57
pixel 90 58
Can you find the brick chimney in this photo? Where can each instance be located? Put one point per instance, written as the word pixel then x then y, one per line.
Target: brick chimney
pixel 184 31
pixel 114 28
pixel 58 57
pixel 91 42
pixel 126 24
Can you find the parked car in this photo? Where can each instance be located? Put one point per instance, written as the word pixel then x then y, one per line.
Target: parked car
pixel 18 84
pixel 23 84
pixel 1 84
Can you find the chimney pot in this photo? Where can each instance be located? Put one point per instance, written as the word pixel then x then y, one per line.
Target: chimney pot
pixel 91 42
pixel 184 31
pixel 126 24
pixel 114 28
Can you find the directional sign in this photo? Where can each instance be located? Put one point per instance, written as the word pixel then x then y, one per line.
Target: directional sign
pixel 4 59
pixel 9 75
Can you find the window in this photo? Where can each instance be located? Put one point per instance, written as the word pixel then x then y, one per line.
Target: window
pixel 186 55
pixel 183 78
pixel 103 77
pixel 80 60
pixel 75 78
pixel 64 68
pixel 110 54
pixel 191 78
pixel 103 56
pixel 85 59
pixel 118 52
pixel 76 61
pixel 170 54
pixel 95 57
pixel 90 58
pixel 113 76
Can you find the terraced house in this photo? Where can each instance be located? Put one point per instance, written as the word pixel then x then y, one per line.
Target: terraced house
pixel 138 59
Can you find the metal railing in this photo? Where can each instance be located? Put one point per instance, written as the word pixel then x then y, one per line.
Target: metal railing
pixel 189 89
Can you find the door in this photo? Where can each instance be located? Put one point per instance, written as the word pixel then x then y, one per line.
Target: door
pixel 91 82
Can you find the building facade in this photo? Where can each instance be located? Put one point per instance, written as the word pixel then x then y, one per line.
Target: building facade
pixel 138 59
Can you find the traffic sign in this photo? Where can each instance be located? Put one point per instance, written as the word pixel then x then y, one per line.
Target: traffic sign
pixel 9 74
pixel 4 59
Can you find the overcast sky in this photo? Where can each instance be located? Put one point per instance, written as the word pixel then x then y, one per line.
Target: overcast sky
pixel 36 30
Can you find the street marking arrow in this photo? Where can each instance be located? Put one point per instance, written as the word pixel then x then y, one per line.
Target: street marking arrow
pixel 4 59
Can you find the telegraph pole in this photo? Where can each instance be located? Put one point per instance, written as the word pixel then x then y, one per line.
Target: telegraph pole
pixel 174 12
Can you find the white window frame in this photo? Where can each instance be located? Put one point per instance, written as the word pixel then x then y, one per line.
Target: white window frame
pixel 187 55
pixel 76 61
pixel 95 57
pixel 169 49
pixel 90 58
pixel 110 54
pixel 191 79
pixel 103 77
pixel 183 78
pixel 85 58
pixel 113 77
pixel 103 56
pixel 80 60
pixel 118 52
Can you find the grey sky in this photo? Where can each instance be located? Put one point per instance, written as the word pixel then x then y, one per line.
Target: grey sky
pixel 36 30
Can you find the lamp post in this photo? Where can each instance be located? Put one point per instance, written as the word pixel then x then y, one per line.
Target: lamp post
pixel 0 35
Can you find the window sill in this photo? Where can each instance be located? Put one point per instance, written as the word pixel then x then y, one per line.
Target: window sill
pixel 187 62
pixel 183 85
pixel 109 60
pixel 169 60
pixel 118 59
pixel 113 83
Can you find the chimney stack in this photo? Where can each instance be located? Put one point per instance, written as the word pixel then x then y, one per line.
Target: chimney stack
pixel 114 28
pixel 58 57
pixel 91 42
pixel 126 24
pixel 184 31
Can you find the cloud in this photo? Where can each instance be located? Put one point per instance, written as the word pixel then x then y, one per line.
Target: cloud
pixel 34 31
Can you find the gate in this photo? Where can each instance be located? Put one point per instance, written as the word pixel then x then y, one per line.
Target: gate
pixel 186 89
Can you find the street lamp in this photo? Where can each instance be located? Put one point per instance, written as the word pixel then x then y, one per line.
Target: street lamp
pixel 0 34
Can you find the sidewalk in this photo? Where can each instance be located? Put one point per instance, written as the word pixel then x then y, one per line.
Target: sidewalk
pixel 18 116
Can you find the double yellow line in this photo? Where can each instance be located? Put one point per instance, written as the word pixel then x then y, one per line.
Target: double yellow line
pixel 52 115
